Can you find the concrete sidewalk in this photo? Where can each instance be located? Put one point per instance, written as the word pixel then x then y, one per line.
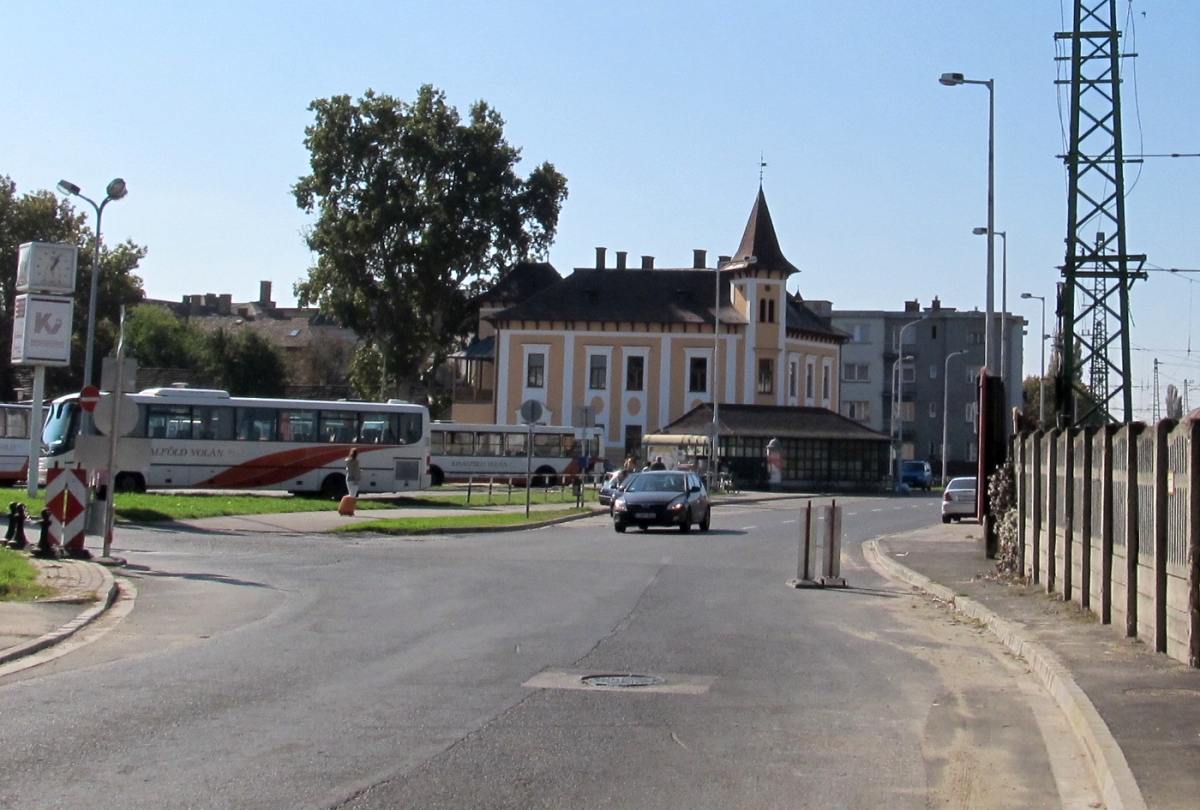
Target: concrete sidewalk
pixel 84 590
pixel 1136 712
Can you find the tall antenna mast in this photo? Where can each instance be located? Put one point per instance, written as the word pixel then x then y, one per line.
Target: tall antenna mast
pixel 1098 271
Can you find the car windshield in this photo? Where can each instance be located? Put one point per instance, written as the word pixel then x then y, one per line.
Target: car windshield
pixel 657 483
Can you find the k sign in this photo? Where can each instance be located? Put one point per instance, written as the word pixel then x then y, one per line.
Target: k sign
pixel 42 330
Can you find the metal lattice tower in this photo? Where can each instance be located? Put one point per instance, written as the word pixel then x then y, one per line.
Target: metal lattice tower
pixel 1097 273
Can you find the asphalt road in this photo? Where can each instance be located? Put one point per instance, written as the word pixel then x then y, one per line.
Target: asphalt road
pixel 321 672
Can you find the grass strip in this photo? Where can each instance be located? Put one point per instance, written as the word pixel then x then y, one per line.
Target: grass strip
pixel 433 524
pixel 18 578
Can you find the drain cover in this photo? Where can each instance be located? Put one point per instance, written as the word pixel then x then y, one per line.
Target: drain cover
pixel 622 680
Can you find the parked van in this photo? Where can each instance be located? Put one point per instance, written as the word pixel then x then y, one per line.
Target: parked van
pixel 916 474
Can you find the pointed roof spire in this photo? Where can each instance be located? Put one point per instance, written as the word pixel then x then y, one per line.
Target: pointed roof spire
pixel 760 247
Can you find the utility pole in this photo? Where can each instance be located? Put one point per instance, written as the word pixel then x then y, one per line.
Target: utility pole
pixel 1098 270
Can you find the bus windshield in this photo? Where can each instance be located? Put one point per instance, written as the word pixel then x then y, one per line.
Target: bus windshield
pixel 62 423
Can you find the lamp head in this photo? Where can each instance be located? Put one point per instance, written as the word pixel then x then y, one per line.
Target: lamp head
pixel 951 79
pixel 67 187
pixel 1027 295
pixel 116 189
pixel 979 231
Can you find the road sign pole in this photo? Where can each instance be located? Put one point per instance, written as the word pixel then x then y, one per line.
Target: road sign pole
pixel 35 430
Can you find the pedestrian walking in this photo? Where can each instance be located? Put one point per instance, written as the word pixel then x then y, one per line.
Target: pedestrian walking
pixel 353 472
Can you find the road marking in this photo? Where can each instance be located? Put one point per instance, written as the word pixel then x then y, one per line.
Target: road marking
pixel 748 528
pixel 791 521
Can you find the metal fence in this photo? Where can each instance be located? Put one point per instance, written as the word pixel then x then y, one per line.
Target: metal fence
pixel 1109 518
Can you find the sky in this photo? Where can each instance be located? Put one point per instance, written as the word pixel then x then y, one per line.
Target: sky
pixel 658 113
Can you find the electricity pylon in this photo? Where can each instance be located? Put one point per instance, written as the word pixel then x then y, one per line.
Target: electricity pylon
pixel 1093 305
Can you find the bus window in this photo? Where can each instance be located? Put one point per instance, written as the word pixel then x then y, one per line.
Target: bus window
pixel 338 426
pixel 297 426
pixel 212 423
pixel 15 424
pixel 460 443
pixel 169 421
pixel 58 434
pixel 489 444
pixel 547 445
pixel 256 424
pixel 377 428
pixel 410 427
pixel 437 443
pixel 514 444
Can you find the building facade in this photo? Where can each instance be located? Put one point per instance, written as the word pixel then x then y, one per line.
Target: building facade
pixel 631 350
pixel 913 373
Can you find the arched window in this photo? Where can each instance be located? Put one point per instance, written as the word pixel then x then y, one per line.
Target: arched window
pixel 771 311
pixel 762 310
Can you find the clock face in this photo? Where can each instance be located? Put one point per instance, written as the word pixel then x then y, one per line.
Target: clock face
pixel 46 267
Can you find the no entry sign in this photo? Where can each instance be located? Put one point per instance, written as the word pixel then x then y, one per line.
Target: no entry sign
pixel 88 398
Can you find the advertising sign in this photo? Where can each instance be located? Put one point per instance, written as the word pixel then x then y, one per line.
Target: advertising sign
pixel 43 267
pixel 42 330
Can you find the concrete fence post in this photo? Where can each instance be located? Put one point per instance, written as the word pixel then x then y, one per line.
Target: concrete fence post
pixel 1193 544
pixel 1039 506
pixel 1132 539
pixel 1087 465
pixel 1106 522
pixel 1162 432
pixel 1051 544
pixel 1068 485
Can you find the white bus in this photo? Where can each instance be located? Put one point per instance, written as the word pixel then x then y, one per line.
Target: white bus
pixel 14 443
pixel 459 452
pixel 206 439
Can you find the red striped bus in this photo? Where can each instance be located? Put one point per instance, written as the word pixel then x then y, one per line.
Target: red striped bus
pixel 206 439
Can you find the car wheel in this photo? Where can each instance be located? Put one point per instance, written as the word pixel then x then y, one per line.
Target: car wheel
pixel 706 520
pixel 945 518
pixel 686 526
pixel 619 527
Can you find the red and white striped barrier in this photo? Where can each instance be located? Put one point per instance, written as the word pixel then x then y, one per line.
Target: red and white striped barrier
pixel 66 498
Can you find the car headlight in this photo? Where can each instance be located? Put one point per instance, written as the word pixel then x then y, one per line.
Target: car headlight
pixel 676 505
pixel 619 505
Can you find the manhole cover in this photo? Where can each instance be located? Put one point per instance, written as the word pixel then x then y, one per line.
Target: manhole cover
pixel 622 680
pixel 1150 691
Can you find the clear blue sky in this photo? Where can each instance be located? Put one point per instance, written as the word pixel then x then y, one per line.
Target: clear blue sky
pixel 656 112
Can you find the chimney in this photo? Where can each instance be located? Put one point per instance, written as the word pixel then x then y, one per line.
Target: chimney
pixel 699 259
pixel 912 306
pixel 621 256
pixel 224 304
pixel 937 305
pixel 600 257
pixel 195 304
pixel 264 294
pixel 210 301
pixel 647 262
pixel 722 260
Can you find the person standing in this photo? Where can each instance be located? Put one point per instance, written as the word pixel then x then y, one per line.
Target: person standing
pixel 353 472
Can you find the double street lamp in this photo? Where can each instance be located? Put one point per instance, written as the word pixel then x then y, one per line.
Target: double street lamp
pixel 953 80
pixel 1003 299
pixel 115 191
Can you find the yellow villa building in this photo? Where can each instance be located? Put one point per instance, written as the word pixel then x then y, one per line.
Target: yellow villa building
pixel 632 350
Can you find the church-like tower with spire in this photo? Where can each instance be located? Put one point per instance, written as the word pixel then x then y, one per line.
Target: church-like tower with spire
pixel 633 349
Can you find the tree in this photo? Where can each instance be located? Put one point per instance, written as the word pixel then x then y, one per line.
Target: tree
pixel 417 212
pixel 245 364
pixel 158 338
pixel 42 217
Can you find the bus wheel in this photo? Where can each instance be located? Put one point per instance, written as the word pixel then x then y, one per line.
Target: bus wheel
pixel 334 486
pixel 130 482
pixel 545 477
pixel 436 476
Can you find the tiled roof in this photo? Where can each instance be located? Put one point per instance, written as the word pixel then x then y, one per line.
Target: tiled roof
pixel 523 281
pixel 774 421
pixel 643 296
pixel 799 318
pixel 760 249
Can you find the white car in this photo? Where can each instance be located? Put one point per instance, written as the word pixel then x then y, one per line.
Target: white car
pixel 958 501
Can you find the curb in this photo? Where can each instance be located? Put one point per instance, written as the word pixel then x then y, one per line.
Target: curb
pixel 110 591
pixel 467 529
pixel 1118 788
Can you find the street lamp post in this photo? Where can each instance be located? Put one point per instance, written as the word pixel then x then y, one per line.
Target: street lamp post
pixel 713 459
pixel 898 376
pixel 115 191
pixel 946 409
pixel 1003 299
pixel 952 80
pixel 1042 381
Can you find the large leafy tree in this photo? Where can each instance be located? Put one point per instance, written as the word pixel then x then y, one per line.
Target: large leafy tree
pixel 42 217
pixel 244 363
pixel 158 338
pixel 416 211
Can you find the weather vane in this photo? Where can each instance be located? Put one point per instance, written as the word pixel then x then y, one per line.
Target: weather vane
pixel 762 164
